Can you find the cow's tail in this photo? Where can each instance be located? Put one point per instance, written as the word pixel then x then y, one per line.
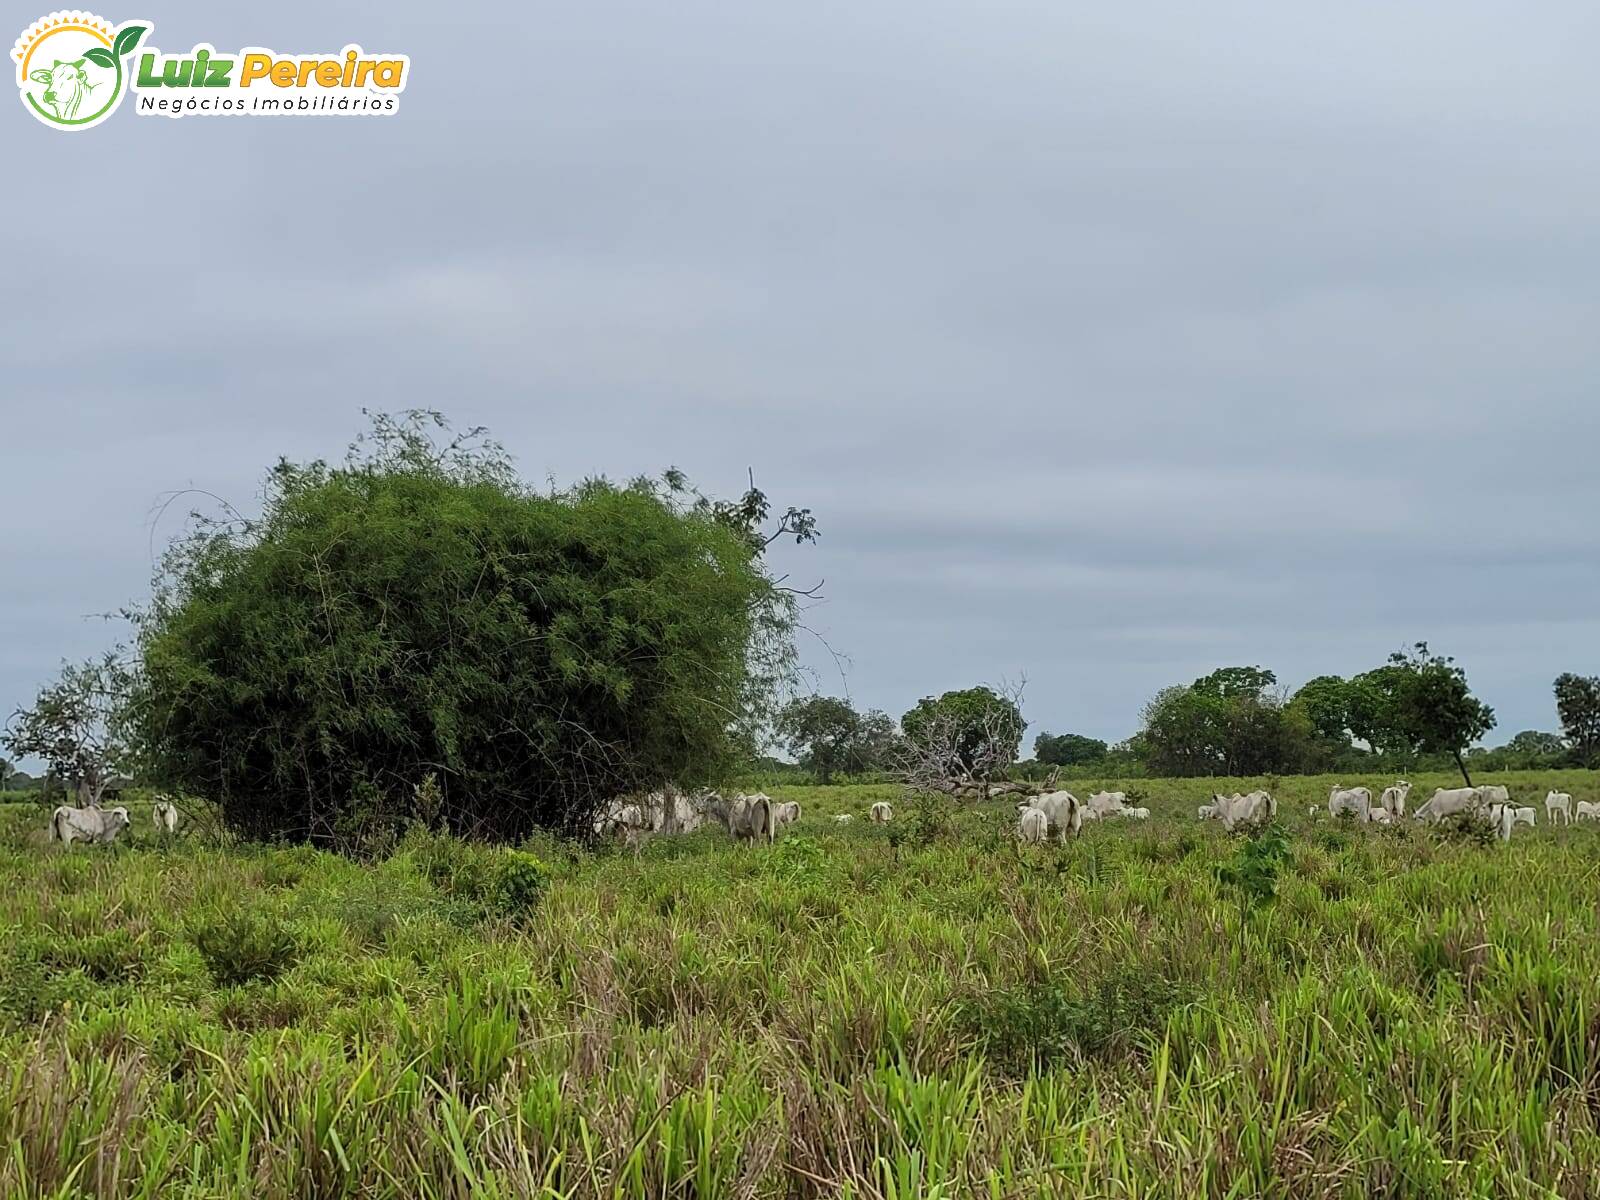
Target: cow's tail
pixel 767 814
pixel 55 827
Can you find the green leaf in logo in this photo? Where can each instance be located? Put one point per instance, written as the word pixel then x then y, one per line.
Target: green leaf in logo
pixel 128 38
pixel 100 57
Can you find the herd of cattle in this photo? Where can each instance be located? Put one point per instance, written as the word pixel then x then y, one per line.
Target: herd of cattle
pixel 756 817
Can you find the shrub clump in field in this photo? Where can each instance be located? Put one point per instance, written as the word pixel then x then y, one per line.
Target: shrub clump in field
pixel 244 946
pixel 1041 1022
pixel 520 882
pixel 1469 827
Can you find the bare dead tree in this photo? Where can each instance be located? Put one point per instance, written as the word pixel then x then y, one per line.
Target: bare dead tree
pixel 946 759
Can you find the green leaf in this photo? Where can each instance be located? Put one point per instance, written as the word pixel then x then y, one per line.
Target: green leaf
pixel 100 57
pixel 128 38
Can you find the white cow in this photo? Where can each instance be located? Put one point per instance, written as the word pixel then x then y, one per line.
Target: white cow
pixel 1379 816
pixel 1393 799
pixel 843 818
pixel 1522 816
pixel 788 812
pixel 93 825
pixel 165 815
pixel 1588 811
pixel 1033 826
pixel 1103 804
pixel 1134 814
pixel 881 813
pixel 1063 810
pixel 624 819
pixel 1236 810
pixel 750 818
pixel 1558 802
pixel 1356 801
pixel 1447 802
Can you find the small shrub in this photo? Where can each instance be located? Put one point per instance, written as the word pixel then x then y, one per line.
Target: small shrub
pixel 1040 1023
pixel 798 859
pixel 1469 828
pixel 243 946
pixel 520 882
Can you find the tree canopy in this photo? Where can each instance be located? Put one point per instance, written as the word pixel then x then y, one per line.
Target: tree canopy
pixel 1068 749
pixel 829 736
pixel 1578 704
pixel 418 610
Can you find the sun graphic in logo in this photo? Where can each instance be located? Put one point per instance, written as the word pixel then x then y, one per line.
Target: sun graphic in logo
pixel 70 67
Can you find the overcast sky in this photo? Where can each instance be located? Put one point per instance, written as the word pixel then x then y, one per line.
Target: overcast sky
pixel 1110 343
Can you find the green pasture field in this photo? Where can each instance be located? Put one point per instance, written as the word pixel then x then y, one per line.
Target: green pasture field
pixel 924 1009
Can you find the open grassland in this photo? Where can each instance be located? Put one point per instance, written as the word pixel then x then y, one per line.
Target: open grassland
pixel 918 1010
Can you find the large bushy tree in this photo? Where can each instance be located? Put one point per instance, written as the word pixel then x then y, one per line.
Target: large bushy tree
pixel 1420 703
pixel 417 610
pixel 1068 749
pixel 1578 703
pixel 829 736
pixel 1229 722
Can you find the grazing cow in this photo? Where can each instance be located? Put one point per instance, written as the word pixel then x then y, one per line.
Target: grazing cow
pixel 1522 816
pixel 788 812
pixel 1447 802
pixel 1495 793
pixel 93 825
pixel 1134 814
pixel 1033 826
pixel 1235 811
pixel 1393 799
pixel 165 815
pixel 1588 811
pixel 1356 801
pixel 1103 804
pixel 1206 811
pixel 1558 802
pixel 881 813
pixel 843 818
pixel 1379 816
pixel 626 820
pixel 1063 810
pixel 751 818
pixel 66 87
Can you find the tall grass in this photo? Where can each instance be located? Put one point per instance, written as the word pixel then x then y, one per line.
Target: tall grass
pixel 848 1013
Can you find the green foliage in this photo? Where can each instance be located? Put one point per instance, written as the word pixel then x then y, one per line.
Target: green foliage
pixel 1043 1022
pixel 1578 703
pixel 830 737
pixel 1325 701
pixel 1469 827
pixel 1068 749
pixel 978 730
pixel 520 882
pixel 81 726
pixel 1224 723
pixel 1431 709
pixel 1253 873
pixel 417 609
pixel 244 945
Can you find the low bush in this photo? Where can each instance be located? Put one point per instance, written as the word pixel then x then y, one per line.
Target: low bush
pixel 245 945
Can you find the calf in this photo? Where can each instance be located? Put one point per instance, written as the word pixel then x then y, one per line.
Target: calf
pixel 165 815
pixel 1588 811
pixel 1033 826
pixel 92 825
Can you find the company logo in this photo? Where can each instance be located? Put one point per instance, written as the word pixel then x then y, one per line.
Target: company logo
pixel 73 69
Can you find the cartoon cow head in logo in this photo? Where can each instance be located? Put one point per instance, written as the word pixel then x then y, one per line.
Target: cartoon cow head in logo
pixel 65 87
